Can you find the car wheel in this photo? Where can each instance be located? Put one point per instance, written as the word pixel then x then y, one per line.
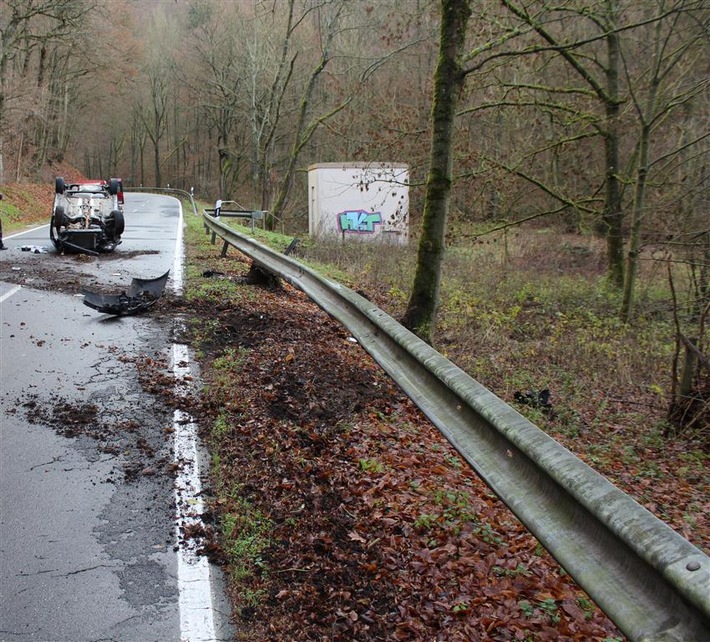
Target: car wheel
pixel 59 185
pixel 113 186
pixel 118 223
pixel 59 218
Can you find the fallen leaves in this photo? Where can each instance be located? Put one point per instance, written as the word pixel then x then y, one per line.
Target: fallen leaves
pixel 380 531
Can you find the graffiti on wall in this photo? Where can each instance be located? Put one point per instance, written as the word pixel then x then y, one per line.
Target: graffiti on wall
pixel 359 221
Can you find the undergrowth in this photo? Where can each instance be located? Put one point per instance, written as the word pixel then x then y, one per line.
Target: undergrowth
pixel 532 311
pixel 534 314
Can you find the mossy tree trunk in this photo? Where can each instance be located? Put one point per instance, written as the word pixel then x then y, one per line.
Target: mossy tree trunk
pixel 420 316
pixel 632 260
pixel 613 214
pixel 667 86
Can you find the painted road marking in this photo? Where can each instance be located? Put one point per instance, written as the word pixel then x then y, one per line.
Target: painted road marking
pixel 179 253
pixel 34 229
pixel 194 588
pixel 197 623
pixel 9 293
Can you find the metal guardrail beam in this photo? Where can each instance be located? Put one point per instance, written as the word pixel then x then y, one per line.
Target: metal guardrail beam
pixel 250 215
pixel 166 190
pixel 652 582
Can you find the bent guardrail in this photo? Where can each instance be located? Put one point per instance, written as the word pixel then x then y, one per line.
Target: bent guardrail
pixel 652 582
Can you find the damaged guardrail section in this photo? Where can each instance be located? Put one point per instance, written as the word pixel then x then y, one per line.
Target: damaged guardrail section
pixel 652 582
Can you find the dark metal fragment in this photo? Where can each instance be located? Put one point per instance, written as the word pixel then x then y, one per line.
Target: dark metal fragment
pixel 142 294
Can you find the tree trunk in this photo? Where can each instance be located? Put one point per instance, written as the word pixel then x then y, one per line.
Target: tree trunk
pixel 302 136
pixel 613 215
pixel 420 316
pixel 703 298
pixel 646 116
pixel 3 67
pixel 156 159
pixel 632 258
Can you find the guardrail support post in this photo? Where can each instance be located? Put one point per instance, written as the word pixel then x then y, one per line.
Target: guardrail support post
pixel 225 247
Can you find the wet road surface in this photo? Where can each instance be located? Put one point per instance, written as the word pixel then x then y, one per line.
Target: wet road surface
pixel 87 490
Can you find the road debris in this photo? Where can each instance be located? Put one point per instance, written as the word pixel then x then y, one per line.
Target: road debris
pixel 142 294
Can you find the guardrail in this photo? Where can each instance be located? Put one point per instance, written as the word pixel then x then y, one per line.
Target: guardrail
pixel 167 190
pixel 251 215
pixel 652 582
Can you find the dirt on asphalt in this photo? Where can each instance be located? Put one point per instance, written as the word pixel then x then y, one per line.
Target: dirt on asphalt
pixel 377 530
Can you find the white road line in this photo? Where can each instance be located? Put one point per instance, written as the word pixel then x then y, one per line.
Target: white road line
pixel 179 253
pixel 197 623
pixel 195 592
pixel 33 229
pixel 9 293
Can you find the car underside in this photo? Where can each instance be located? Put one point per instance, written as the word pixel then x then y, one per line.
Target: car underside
pixel 87 217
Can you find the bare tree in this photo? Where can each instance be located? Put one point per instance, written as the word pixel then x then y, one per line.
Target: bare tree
pixel 155 92
pixel 328 17
pixel 217 82
pixel 600 73
pixel 666 81
pixel 37 55
pixel 420 315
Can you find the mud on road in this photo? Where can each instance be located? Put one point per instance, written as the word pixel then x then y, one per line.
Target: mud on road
pixel 371 526
pixel 67 273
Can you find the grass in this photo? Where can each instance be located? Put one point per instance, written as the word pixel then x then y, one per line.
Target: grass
pixel 273 239
pixel 25 205
pixel 244 530
pixel 534 314
pixel 523 321
pixel 245 535
pixel 371 466
pixel 534 311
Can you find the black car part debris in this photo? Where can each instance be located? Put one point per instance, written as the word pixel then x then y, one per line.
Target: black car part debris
pixel 536 399
pixel 142 294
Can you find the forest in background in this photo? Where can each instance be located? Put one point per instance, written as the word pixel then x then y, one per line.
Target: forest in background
pixel 584 124
pixel 237 98
pixel 589 117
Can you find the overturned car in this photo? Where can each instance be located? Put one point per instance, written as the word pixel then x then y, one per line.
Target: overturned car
pixel 87 217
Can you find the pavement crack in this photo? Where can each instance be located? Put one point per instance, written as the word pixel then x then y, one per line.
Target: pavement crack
pixel 67 574
pixel 85 570
pixel 46 463
pixel 49 570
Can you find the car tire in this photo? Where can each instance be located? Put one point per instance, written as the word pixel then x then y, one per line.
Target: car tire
pixel 113 186
pixel 118 223
pixel 59 218
pixel 59 185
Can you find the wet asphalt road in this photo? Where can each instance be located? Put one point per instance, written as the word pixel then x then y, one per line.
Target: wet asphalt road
pixel 87 518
